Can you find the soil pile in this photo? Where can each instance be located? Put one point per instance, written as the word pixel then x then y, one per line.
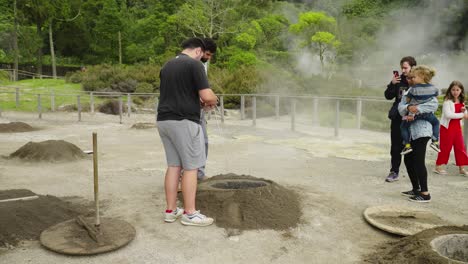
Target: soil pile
pixel 143 125
pixel 50 150
pixel 25 220
pixel 15 127
pixel 245 202
pixel 110 107
pixel 414 249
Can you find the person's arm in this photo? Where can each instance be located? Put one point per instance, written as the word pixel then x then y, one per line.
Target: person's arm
pixel 449 111
pixel 427 107
pixel 403 106
pixel 208 97
pixel 392 91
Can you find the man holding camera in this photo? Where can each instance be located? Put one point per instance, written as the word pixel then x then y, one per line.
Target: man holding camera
pixel 395 90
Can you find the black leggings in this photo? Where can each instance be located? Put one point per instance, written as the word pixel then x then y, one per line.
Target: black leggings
pixel 396 144
pixel 415 164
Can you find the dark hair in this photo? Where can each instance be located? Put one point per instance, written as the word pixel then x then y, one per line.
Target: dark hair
pixel 210 45
pixel 448 94
pixel 193 43
pixel 410 60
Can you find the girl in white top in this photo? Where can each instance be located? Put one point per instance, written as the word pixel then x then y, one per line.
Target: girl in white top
pixel 453 110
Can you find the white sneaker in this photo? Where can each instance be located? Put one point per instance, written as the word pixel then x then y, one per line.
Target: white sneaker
pixel 172 216
pixel 196 219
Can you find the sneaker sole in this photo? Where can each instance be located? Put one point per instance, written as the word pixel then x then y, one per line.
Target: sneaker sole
pixel 170 220
pixel 195 224
pixel 406 152
pixel 407 195
pixel 387 180
pixel 419 201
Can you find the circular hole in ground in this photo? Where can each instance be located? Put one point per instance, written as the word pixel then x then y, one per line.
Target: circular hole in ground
pixel 454 246
pixel 236 185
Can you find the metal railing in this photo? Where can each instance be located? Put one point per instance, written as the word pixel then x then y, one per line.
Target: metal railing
pixel 250 101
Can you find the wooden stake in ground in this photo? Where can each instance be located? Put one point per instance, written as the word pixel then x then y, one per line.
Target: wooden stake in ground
pixel 96 182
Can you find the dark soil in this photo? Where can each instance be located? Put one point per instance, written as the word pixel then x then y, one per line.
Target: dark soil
pixel 50 150
pixel 254 204
pixel 110 107
pixel 414 249
pixel 15 127
pixel 25 220
pixel 143 125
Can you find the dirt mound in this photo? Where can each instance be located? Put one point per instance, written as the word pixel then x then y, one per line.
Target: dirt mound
pixel 143 125
pixel 245 202
pixel 15 127
pixel 50 150
pixel 414 249
pixel 110 107
pixel 25 220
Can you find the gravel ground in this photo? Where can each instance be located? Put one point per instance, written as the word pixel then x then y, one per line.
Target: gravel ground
pixel 337 178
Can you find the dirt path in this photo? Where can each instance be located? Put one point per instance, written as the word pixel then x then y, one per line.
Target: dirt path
pixel 336 178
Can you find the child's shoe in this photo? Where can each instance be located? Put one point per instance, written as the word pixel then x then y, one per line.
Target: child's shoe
pixel 435 146
pixel 407 149
pixel 171 216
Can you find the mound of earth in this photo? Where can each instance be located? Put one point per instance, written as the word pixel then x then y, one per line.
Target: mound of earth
pixel 143 125
pixel 245 202
pixel 414 249
pixel 15 127
pixel 50 150
pixel 25 220
pixel 110 107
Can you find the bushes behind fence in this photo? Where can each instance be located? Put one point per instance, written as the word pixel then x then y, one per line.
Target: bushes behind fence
pixel 118 78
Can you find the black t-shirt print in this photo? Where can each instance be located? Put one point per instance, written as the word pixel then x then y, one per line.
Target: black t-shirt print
pixel 181 79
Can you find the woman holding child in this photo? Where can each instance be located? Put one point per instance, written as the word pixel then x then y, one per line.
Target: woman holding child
pixel 453 110
pixel 420 133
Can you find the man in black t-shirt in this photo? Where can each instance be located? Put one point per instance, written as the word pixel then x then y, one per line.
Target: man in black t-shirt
pixel 184 86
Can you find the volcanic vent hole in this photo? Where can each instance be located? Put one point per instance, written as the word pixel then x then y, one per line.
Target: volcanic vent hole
pixel 454 247
pixel 236 185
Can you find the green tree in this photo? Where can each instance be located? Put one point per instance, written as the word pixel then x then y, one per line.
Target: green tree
pixel 37 12
pixel 324 41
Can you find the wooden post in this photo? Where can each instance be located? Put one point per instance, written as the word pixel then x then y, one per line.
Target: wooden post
pixel 221 101
pixel 17 97
pixel 120 108
pixel 78 102
pixel 254 111
pixel 337 117
pixel 359 113
pixel 39 106
pixel 315 117
pixel 129 104
pixel 242 107
pixel 293 114
pixel 96 179
pixel 91 101
pixel 277 106
pixel 52 101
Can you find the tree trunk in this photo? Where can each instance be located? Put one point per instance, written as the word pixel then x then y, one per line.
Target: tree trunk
pixel 39 51
pixel 52 51
pixel 120 49
pixel 15 44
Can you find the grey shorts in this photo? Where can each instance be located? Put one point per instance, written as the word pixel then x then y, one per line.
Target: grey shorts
pixel 183 142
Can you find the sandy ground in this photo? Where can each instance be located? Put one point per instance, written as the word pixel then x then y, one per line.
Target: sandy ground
pixel 337 179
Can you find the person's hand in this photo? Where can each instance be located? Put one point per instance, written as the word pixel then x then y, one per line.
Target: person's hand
pixel 463 109
pixel 410 118
pixel 413 109
pixel 396 79
pixel 465 116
